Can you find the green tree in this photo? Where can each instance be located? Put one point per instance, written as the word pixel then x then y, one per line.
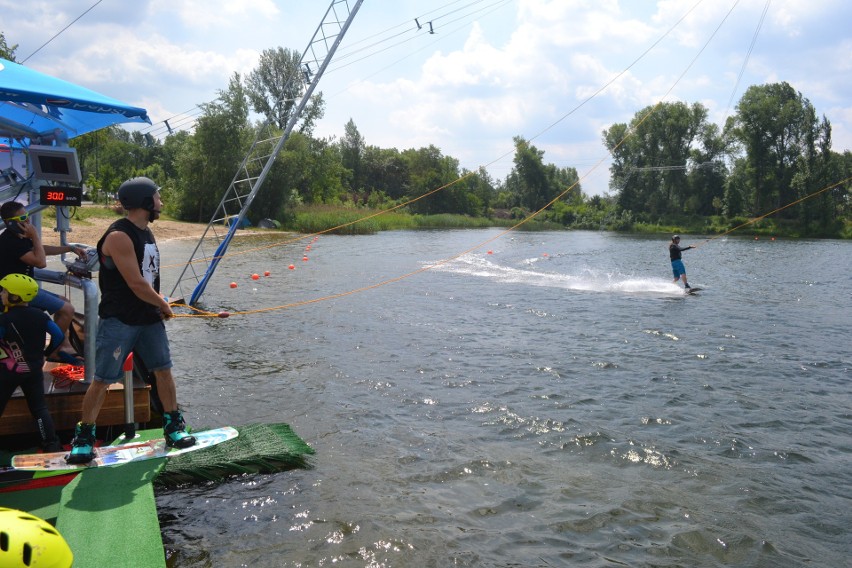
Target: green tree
pixel 530 178
pixel 776 127
pixel 842 194
pixel 108 157
pixel 275 89
pixel 430 170
pixel 7 51
pixel 481 189
pixel 386 171
pixel 352 148
pixel 212 156
pixel 326 173
pixel 173 146
pixel 651 157
pixel 535 183
pixel 707 172
pixel 281 184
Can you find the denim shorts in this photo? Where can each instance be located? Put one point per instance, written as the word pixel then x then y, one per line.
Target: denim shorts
pixel 47 301
pixel 678 268
pixel 116 339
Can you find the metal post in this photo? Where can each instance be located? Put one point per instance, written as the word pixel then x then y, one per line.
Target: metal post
pixel 129 416
pixel 90 315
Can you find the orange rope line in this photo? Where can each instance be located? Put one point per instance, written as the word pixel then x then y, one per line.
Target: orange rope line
pixel 332 229
pixel 756 219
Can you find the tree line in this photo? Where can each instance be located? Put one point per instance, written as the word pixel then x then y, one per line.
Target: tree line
pixel 670 165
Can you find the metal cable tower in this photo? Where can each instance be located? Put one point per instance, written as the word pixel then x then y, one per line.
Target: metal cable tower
pixel 266 146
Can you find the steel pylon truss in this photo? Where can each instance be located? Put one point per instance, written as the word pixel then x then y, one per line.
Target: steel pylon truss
pixel 267 144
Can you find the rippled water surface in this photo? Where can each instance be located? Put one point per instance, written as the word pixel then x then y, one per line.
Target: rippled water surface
pixel 547 399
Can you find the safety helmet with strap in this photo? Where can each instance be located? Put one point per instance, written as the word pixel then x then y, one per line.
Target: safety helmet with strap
pixel 20 285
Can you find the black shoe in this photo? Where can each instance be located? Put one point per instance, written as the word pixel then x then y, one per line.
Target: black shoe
pixel 174 431
pixel 687 286
pixel 83 444
pixel 52 446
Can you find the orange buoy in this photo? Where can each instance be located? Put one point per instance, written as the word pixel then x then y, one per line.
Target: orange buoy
pixel 491 252
pixel 255 276
pixel 291 267
pixel 233 284
pixel 305 258
pixel 223 314
pixel 266 273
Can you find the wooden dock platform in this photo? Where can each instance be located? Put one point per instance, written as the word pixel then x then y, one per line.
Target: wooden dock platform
pixel 65 402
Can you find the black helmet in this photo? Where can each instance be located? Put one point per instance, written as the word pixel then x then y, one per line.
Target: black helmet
pixel 138 193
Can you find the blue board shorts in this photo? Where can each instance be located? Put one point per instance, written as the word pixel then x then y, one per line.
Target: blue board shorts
pixel 116 339
pixel 47 301
pixel 678 268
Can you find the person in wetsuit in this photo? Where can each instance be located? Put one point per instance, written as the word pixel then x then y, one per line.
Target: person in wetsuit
pixel 22 352
pixel 678 269
pixel 131 314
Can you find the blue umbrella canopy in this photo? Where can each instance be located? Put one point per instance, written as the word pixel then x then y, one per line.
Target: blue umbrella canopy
pixel 34 105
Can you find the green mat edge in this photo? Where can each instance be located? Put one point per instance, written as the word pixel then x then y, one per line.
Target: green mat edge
pixel 260 448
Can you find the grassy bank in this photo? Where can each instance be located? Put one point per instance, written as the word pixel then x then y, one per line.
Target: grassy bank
pixel 349 221
pixel 767 227
pixel 352 221
pixel 363 221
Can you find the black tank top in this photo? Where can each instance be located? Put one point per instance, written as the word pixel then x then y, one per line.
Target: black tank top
pixel 117 299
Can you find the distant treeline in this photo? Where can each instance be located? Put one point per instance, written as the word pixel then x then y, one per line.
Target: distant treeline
pixel 671 169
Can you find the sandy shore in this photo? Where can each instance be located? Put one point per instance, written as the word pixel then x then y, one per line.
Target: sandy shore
pixel 90 230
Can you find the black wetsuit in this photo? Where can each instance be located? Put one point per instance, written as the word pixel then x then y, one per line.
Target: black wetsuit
pixel 22 331
pixel 675 250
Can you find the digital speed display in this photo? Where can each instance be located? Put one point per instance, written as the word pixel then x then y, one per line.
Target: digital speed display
pixel 58 195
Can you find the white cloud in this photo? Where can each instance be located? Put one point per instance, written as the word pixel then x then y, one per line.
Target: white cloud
pixel 213 14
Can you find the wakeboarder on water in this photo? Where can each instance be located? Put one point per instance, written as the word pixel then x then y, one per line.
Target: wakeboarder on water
pixel 678 269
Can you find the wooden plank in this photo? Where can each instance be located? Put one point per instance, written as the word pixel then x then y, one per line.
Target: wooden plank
pixel 66 407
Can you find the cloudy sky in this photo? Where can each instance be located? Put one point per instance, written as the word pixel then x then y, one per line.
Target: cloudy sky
pixel 556 72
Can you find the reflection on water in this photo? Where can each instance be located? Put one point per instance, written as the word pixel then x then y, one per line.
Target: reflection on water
pixel 555 401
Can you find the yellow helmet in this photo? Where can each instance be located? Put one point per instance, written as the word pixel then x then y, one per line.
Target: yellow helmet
pixel 20 285
pixel 30 541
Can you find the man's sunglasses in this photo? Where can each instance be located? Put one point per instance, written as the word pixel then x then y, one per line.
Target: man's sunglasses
pixel 19 218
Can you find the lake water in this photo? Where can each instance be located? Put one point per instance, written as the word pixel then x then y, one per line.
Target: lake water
pixel 546 399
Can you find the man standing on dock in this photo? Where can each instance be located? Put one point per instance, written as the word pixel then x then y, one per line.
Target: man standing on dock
pixel 131 314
